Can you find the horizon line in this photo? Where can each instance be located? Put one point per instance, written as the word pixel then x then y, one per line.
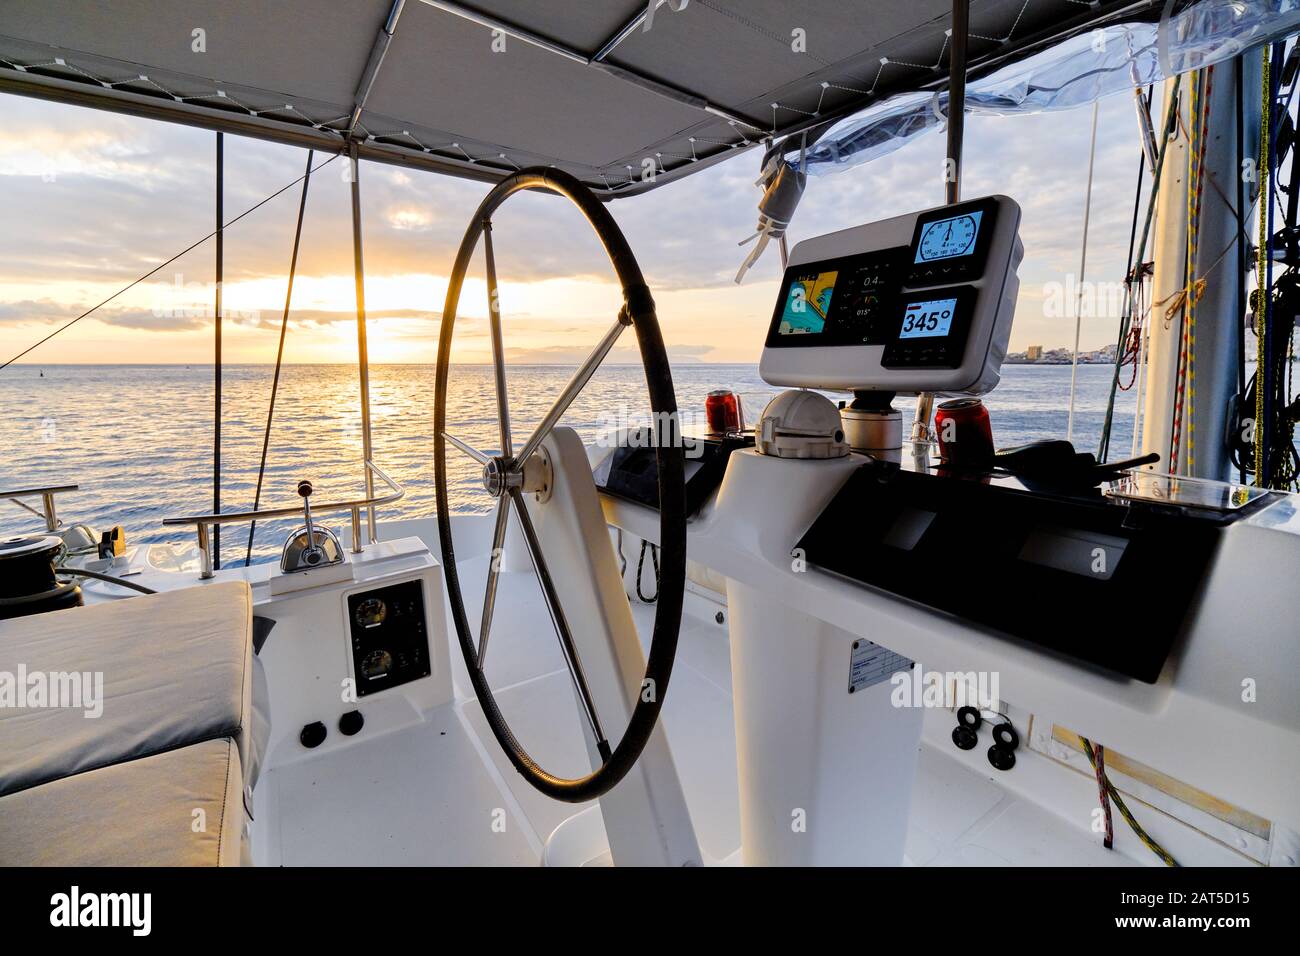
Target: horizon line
pixel 488 364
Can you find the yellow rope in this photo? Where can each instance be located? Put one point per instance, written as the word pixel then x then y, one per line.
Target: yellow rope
pixel 1191 292
pixel 1123 809
pixel 1193 220
pixel 1261 276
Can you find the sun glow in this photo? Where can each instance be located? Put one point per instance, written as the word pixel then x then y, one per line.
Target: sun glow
pixel 169 319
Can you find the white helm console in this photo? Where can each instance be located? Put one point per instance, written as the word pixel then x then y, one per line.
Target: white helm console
pixel 918 303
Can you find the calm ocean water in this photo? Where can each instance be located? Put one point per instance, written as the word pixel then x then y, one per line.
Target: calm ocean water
pixel 138 439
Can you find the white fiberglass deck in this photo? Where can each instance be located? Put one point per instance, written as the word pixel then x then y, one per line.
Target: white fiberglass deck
pixel 434 788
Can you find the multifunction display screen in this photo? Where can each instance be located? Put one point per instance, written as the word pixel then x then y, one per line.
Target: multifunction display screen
pixel 807 303
pixel 930 329
pixel 844 301
pixel 949 238
pixel 929 319
pixel 951 244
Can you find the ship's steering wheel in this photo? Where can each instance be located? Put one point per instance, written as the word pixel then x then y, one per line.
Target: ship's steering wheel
pixel 507 476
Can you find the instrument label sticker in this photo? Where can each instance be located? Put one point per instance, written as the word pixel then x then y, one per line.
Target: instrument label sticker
pixel 871 664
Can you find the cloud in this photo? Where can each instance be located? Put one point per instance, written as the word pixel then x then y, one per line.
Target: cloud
pixel 323 317
pixel 127 193
pixel 47 311
pixel 619 355
pixel 35 310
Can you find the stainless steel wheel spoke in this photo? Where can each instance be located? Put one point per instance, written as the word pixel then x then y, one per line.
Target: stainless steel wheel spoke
pixel 498 349
pixel 580 378
pixel 558 619
pixel 494 570
pixel 467 448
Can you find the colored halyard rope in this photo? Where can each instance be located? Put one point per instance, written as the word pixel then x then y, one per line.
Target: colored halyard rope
pixel 1197 286
pixel 1183 387
pixel 1261 273
pixel 1099 771
pixel 1132 352
pixel 1123 809
pixel 1178 300
pixel 1186 298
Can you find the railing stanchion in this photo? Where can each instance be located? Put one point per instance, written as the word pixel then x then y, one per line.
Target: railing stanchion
pixel 46 494
pixel 363 351
pixel 206 522
pixel 205 551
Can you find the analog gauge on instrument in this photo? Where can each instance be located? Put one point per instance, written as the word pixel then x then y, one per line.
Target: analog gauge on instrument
pixel 948 237
pixel 370 612
pixel 376 664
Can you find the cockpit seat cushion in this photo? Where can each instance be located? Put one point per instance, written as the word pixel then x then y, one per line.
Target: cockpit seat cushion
pixel 176 808
pixel 156 673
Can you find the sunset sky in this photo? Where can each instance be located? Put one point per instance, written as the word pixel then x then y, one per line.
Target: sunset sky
pixel 92 200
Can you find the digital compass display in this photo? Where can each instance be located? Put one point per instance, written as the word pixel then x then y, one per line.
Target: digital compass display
pixel 949 238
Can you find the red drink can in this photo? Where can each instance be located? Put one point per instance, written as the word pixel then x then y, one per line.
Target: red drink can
pixel 965 433
pixel 722 412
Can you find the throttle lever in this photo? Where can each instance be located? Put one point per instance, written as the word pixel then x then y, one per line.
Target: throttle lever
pixel 309 547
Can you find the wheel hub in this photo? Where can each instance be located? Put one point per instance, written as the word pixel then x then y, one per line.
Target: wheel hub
pixel 499 477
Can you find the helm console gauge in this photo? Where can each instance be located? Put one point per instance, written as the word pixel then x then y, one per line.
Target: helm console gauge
pixel 918 303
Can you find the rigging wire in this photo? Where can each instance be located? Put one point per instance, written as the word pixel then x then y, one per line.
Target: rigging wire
pixel 1083 263
pixel 1171 114
pixel 162 265
pixel 279 357
pixel 1130 339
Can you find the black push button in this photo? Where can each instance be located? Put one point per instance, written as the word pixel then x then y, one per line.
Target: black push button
pixel 351 723
pixel 312 735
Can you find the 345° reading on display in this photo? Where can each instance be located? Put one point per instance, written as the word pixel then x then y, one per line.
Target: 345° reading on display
pixel 932 318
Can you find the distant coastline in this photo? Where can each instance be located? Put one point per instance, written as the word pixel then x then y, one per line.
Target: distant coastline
pixel 1037 355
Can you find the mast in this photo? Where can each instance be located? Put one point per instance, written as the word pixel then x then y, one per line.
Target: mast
pixel 1213 342
pixel 1218 341
pixel 1169 248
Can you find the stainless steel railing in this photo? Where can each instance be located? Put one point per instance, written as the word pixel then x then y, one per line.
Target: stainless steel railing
pixel 204 523
pixel 46 494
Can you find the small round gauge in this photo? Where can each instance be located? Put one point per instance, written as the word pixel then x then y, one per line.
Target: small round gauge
pixel 370 612
pixel 948 237
pixel 376 664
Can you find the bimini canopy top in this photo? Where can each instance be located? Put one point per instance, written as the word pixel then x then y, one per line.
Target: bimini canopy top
pixel 608 91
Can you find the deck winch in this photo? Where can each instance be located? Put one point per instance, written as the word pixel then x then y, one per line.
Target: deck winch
pixel 28 584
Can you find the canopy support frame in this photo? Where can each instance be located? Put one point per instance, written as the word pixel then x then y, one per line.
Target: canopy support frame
pixel 373 63
pixel 628 75
pixel 216 359
pixel 363 349
pixel 952 165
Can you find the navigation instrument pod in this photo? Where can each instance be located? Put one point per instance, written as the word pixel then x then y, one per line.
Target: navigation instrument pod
pixel 921 302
